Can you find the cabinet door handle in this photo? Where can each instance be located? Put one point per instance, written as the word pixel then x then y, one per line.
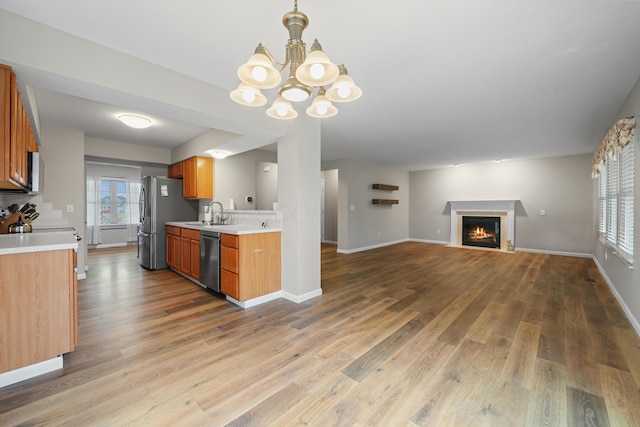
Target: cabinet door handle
pixel 257 250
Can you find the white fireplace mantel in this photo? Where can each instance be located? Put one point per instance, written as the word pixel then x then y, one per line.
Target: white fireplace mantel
pixel 480 207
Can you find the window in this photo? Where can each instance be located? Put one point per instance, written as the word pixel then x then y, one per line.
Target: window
pixel 615 202
pixel 113 202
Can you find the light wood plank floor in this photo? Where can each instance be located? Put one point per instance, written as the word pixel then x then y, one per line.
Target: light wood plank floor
pixel 409 335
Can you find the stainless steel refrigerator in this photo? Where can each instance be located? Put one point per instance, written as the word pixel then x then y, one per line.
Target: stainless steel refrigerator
pixel 160 201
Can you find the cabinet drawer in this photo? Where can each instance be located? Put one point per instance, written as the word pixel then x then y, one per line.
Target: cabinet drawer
pixel 190 234
pixel 230 240
pixel 174 231
pixel 229 284
pixel 229 259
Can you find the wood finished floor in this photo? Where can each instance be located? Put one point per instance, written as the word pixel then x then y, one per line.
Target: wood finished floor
pixel 408 335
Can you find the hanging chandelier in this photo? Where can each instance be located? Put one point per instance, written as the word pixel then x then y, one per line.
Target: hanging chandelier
pixel 306 72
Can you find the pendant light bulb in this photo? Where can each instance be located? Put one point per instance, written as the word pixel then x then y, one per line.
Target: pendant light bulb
pixel 249 96
pixel 259 73
pixel 317 71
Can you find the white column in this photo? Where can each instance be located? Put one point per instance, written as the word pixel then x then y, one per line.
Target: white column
pixel 299 200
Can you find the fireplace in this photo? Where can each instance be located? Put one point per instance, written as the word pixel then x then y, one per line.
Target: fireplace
pixel 502 211
pixel 482 231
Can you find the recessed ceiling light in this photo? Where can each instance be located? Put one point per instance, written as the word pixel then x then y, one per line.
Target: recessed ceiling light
pixel 135 121
pixel 218 154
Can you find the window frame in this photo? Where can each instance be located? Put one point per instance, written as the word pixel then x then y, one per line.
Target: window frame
pixel 113 201
pixel 616 203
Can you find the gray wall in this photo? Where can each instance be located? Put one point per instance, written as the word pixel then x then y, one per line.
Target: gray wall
pixel 362 225
pixel 330 205
pixel 625 281
pixel 63 154
pixel 235 178
pixel 266 179
pixel 561 186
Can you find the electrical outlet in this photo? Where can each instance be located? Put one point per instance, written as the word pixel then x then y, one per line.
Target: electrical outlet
pixel 69 208
pixel 379 234
pixel 438 231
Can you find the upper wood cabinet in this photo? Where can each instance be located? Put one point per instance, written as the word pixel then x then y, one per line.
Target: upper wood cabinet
pixel 175 170
pixel 197 177
pixel 16 133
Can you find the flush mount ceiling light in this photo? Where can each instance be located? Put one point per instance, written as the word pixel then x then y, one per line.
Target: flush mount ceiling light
pixel 306 72
pixel 218 154
pixel 135 121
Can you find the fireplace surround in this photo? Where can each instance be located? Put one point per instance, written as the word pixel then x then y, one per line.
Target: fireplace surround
pixel 503 210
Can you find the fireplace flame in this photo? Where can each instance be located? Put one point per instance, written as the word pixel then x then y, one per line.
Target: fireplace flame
pixel 480 233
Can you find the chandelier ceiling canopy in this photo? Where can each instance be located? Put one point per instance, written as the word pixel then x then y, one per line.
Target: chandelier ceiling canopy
pixel 306 72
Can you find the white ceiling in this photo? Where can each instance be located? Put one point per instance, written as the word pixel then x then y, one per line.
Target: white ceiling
pixel 444 82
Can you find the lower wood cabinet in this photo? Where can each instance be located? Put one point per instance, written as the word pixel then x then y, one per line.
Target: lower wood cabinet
pixel 190 250
pixel 183 250
pixel 38 307
pixel 250 265
pixel 174 257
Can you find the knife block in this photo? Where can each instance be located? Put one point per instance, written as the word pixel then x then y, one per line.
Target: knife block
pixel 5 222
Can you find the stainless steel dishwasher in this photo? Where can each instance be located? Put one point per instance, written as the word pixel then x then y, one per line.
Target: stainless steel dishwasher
pixel 210 259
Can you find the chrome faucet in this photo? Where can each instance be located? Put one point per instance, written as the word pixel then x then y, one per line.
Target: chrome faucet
pixel 221 219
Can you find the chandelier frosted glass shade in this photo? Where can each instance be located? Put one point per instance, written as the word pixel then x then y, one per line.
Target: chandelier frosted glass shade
pixel 259 71
pixel 317 69
pixel 281 109
pixel 321 107
pixel 249 96
pixel 294 91
pixel 344 89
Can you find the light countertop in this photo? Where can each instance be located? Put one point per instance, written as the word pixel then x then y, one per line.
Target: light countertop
pixel 37 242
pixel 228 229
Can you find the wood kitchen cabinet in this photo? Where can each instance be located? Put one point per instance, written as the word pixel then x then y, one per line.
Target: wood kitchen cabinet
pixel 190 251
pixel 197 178
pixel 38 307
pixel 174 257
pixel 183 251
pixel 250 265
pixel 175 170
pixel 16 134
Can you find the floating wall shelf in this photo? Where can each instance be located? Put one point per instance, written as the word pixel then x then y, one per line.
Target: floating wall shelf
pixel 384 202
pixel 385 187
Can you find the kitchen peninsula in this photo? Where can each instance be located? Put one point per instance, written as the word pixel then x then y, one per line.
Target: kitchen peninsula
pixel 249 258
pixel 38 303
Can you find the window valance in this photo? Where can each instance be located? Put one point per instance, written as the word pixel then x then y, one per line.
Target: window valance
pixel 620 134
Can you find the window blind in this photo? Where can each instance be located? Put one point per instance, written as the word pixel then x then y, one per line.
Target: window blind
pixel 625 199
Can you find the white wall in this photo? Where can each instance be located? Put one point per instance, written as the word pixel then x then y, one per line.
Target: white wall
pixel 561 186
pixel 121 150
pixel 625 281
pixel 361 224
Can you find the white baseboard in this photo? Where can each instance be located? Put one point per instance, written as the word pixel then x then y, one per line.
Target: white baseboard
pixel 542 251
pixel 21 374
pixel 435 242
pixel 302 298
pixel 366 248
pixel 627 312
pixel 255 301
